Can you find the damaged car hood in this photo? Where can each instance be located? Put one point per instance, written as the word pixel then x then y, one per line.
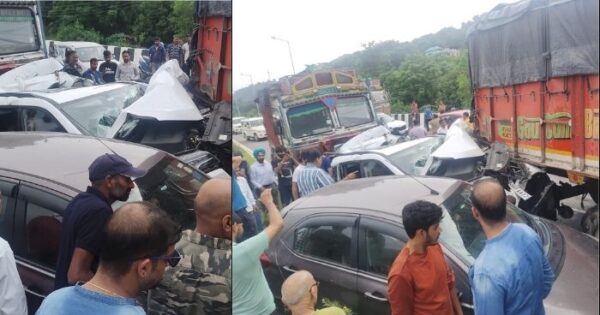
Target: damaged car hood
pixel 39 75
pixel 165 99
pixel 371 139
pixel 458 144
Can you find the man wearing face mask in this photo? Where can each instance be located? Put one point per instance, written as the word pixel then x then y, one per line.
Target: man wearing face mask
pixel 133 258
pixel 86 216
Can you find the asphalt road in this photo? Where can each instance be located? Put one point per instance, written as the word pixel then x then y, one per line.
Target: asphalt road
pixel 254 144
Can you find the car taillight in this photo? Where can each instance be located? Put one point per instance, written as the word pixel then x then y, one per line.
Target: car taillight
pixel 265 261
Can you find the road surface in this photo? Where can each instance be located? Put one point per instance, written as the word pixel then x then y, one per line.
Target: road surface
pixel 251 145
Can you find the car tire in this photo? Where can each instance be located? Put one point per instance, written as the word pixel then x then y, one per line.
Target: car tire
pixel 589 222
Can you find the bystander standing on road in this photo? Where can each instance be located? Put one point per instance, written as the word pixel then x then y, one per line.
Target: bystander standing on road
pixel 467 121
pixel 428 116
pixel 251 293
pixel 312 177
pixel 133 258
pixel 420 281
pixel 283 164
pixel 297 170
pixel 443 129
pixel 72 66
pixel 174 51
pixel 512 274
pixel 263 176
pixel 201 282
pixel 108 68
pixel 434 124
pixel 127 70
pixel 92 73
pixel 251 205
pixel 244 170
pixel 86 215
pixel 239 205
pixel 417 132
pixel 158 54
pixel 441 107
pixel 300 291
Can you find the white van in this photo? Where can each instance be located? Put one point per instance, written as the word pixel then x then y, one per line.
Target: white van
pixel 253 129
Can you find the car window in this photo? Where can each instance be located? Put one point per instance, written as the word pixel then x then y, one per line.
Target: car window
pixel 38 119
pixel 350 167
pixel 375 168
pixel 329 241
pixel 6 209
pixel 380 251
pixel 41 235
pixel 9 119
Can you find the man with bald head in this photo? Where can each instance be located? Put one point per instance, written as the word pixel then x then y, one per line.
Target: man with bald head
pixel 512 274
pixel 139 244
pixel 299 293
pixel 201 282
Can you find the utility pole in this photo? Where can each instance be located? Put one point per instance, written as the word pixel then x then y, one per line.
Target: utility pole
pixel 289 50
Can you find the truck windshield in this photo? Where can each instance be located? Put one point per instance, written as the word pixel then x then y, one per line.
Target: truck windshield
pixel 353 111
pixel 18 33
pixel 310 119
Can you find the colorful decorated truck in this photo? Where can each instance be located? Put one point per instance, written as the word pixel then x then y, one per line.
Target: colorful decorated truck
pixel 316 110
pixel 534 73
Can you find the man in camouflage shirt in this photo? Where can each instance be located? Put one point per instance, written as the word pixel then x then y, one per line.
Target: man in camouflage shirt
pixel 201 282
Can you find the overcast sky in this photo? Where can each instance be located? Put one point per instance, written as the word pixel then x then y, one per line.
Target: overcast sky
pixel 321 30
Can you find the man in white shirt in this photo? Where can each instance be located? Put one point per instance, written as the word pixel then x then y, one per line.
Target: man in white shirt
pixel 297 170
pixel 127 70
pixel 12 294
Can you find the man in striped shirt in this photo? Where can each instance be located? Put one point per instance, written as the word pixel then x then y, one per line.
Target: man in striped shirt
pixel 312 177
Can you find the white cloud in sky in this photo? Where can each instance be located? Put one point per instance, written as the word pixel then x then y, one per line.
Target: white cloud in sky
pixel 322 30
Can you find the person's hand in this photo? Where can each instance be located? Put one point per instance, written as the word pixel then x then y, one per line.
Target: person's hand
pixel 236 161
pixel 351 175
pixel 266 197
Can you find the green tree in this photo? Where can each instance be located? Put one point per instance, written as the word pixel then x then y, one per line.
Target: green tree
pixel 77 32
pixel 182 18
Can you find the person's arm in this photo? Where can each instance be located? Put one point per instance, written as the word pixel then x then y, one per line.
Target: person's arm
pixel 295 192
pixel 118 74
pixel 350 176
pixel 488 295
pixel 400 295
pixel 80 268
pixel 275 221
pixel 136 73
pixel 455 302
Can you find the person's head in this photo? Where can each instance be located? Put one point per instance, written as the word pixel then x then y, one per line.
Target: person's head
pixel 72 57
pixel 281 151
pixel 259 155
pixel 107 55
pixel 435 116
pixel 156 41
pixel 489 201
pixel 111 174
pixel 139 243
pixel 125 55
pixel 175 40
pixel 421 221
pixel 312 156
pixel 93 64
pixel 237 228
pixel 213 208
pixel 299 290
pixel 465 115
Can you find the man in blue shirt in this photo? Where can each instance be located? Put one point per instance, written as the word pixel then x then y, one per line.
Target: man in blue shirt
pixel 158 54
pixel 92 73
pixel 511 275
pixel 312 177
pixel 133 259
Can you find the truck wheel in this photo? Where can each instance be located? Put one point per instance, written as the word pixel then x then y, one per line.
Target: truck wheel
pixel 589 222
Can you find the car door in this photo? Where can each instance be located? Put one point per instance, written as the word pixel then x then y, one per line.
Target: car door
pixel 324 244
pixel 8 194
pixel 36 238
pixel 379 242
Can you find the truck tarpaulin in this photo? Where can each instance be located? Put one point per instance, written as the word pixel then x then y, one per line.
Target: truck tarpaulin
pixel 532 40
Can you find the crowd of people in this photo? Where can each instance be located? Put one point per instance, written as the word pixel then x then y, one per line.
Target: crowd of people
pixel 434 124
pixel 126 70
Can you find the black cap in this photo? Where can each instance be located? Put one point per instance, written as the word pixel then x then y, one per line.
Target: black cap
pixel 112 164
pixel 236 218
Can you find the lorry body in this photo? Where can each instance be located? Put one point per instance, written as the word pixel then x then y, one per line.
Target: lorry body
pixel 534 74
pixel 316 110
pixel 21 34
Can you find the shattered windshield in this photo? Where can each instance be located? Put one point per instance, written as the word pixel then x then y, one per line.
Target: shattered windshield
pixel 461 233
pixel 406 160
pixel 17 31
pixel 310 119
pixel 95 114
pixel 353 111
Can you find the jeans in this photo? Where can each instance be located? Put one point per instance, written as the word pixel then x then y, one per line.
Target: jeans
pixel 285 194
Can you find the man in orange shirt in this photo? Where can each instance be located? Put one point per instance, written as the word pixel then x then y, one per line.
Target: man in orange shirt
pixel 419 281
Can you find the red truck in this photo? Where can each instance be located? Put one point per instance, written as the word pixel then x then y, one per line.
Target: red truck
pixel 534 74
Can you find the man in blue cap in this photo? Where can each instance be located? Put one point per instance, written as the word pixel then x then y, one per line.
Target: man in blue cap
pixel 263 176
pixel 86 216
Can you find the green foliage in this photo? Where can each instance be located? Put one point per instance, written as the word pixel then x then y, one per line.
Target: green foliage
pixel 137 22
pixel 77 32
